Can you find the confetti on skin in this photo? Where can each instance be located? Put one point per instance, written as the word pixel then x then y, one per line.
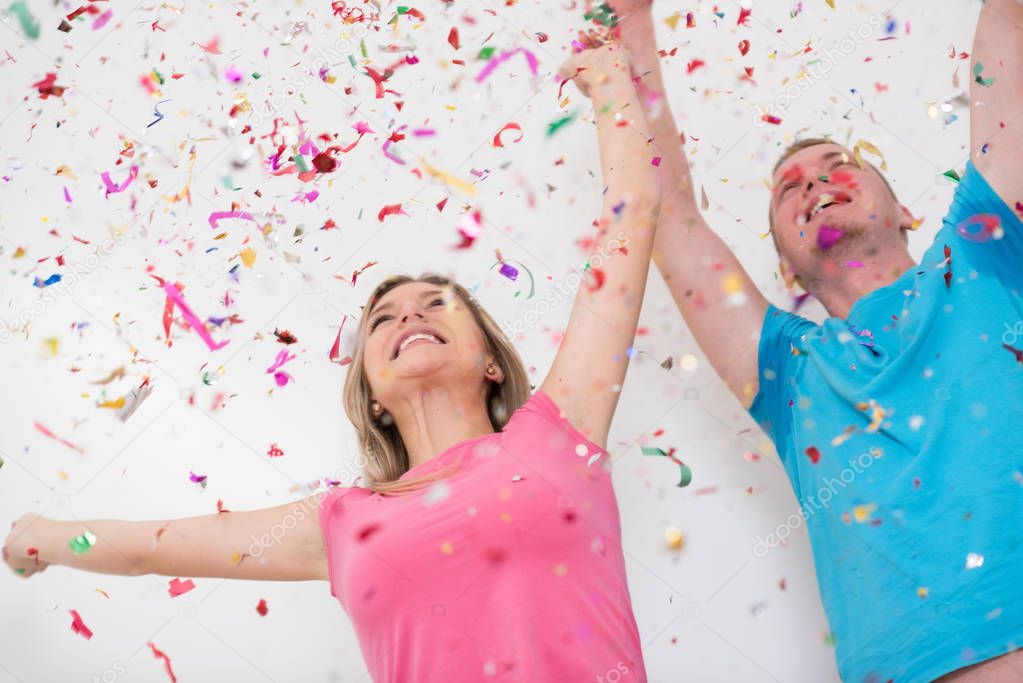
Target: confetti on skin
pixel 179 587
pixel 78 626
pixel 827 237
pixel 685 474
pixel 82 544
pixel 977 69
pixel 46 432
pixel 166 662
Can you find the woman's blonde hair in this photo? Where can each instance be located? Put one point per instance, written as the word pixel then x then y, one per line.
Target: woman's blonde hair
pixel 386 459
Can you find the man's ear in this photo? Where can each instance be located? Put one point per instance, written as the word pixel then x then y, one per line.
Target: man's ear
pixel 906 220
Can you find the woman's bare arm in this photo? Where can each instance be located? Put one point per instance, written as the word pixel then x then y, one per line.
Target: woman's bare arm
pixel 590 365
pixel 281 543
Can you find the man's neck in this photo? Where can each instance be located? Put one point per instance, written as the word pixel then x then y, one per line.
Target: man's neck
pixel 850 285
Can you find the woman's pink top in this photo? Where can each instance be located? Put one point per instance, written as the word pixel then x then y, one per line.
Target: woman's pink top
pixel 510 569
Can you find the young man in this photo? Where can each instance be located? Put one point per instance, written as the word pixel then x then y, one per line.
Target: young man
pixel 920 556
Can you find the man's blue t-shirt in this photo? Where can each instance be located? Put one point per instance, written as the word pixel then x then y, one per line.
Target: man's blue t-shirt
pixel 901 429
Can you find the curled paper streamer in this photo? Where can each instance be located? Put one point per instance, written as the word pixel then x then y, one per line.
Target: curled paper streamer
pixel 112 188
pixel 862 145
pixel 174 294
pixel 216 216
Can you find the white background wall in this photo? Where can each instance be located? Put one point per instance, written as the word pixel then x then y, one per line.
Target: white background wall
pixel 712 612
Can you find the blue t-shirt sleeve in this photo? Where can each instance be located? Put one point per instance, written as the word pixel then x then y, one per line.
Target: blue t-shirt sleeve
pixel 982 229
pixel 776 367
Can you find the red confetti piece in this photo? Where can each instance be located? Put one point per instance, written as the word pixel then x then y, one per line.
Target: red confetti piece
pixel 335 351
pixel 362 270
pixel 508 126
pixel 814 454
pixel 275 451
pixel 1015 352
pixel 773 120
pixel 78 626
pixel 179 587
pixel 220 506
pixel 261 607
pixel 743 47
pixel 1019 206
pixel 389 210
pixel 48 86
pixel 166 662
pixel 368 531
pixel 453 37
pixel 744 14
pixel 596 279
pixel 694 65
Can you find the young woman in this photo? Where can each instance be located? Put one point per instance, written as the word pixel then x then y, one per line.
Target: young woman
pixel 486 543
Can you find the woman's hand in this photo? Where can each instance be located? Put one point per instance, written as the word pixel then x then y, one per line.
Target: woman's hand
pixel 599 69
pixel 18 552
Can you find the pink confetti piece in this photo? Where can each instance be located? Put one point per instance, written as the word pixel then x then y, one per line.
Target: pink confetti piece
pixel 67 195
pixel 102 20
pixel 504 57
pixel 281 377
pixel 78 626
pixel 217 216
pixel 179 587
pixel 166 662
pixel 46 432
pixel 112 188
pixel 174 294
pixel 827 237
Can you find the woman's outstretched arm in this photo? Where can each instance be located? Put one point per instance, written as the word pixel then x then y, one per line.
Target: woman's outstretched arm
pixel 590 365
pixel 281 543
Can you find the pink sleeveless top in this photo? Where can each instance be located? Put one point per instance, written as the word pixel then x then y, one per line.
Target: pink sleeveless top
pixel 509 569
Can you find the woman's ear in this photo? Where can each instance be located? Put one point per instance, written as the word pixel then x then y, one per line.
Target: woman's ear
pixel 494 372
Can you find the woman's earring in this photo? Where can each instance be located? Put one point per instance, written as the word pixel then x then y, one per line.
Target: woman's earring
pixel 376 409
pixel 491 370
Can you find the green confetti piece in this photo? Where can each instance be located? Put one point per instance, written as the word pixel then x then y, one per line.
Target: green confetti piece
pixel 951 175
pixel 977 68
pixel 31 28
pixel 81 544
pixel 300 162
pixel 603 14
pixel 685 474
pixel 256 75
pixel 19 570
pixel 556 124
pixel 362 48
pixel 486 52
pixel 351 60
pixel 402 9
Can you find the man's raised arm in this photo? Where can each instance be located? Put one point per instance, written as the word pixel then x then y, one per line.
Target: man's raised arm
pixel 720 304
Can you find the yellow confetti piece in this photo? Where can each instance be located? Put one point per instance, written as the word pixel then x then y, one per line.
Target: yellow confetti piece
pixel 732 283
pixel 64 169
pixel 451 181
pixel 116 404
pixel 862 146
pixel 50 345
pixel 921 592
pixel 672 21
pixel 447 548
pixel 248 256
pixel 830 3
pixel 674 538
pixel 861 513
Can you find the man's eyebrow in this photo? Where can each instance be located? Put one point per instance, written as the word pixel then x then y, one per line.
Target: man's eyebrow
pixel 389 304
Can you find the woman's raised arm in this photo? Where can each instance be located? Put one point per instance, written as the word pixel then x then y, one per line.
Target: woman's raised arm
pixel 281 543
pixel 590 365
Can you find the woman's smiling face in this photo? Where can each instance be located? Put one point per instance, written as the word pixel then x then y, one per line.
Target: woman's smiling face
pixel 420 336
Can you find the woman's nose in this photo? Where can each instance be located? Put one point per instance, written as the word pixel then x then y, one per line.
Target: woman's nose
pixel 410 310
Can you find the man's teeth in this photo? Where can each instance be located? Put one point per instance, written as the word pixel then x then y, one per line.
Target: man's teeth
pixel 417 337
